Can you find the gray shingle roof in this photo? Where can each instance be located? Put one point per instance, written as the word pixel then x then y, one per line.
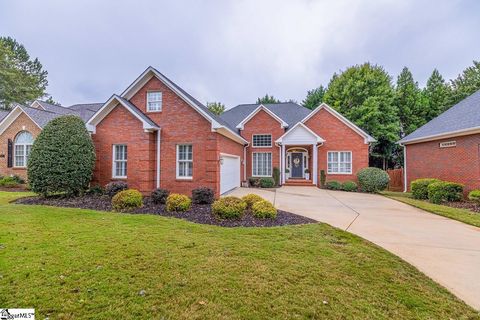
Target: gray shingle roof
pixel 86 110
pixel 41 117
pixel 54 108
pixel 3 114
pixel 462 116
pixel 289 112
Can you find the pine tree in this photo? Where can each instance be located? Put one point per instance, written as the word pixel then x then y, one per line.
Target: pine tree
pixel 314 97
pixel 466 83
pixel 267 99
pixel 216 107
pixel 437 94
pixel 409 102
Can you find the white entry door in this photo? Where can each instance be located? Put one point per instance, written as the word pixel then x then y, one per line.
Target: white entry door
pixel 229 172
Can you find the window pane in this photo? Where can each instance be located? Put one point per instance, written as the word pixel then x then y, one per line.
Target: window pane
pixel 262 164
pixel 262 140
pixel 154 101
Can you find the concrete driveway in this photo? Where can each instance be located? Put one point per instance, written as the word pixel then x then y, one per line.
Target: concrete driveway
pixel 446 250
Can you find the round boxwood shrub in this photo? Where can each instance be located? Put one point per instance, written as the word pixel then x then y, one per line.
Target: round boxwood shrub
pixel 127 199
pixel 229 207
pixel 333 185
pixel 267 183
pixel 251 198
pixel 442 191
pixel 419 187
pixel 159 196
pixel 178 202
pixel 115 187
pixel 8 182
pixel 474 195
pixel 349 186
pixel 264 210
pixel 203 195
pixel 372 179
pixel 62 158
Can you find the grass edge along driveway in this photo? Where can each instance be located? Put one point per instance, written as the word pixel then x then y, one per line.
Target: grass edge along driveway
pixel 72 263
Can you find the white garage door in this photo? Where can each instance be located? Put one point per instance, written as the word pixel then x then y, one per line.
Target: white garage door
pixel 229 173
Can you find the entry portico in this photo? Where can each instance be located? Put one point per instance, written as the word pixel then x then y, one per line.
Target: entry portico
pixel 299 152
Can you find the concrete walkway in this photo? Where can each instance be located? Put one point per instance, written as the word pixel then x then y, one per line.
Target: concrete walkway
pixel 446 250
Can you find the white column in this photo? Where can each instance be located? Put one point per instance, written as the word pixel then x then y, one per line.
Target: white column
pixel 282 163
pixel 315 163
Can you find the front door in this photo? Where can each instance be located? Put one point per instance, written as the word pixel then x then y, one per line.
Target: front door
pixel 297 165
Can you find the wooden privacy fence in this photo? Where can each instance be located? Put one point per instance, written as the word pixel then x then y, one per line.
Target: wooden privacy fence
pixel 396 179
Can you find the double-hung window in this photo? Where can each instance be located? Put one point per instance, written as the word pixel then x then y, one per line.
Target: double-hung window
pixel 22 148
pixel 339 162
pixel 262 164
pixel 154 101
pixel 184 161
pixel 262 140
pixel 119 161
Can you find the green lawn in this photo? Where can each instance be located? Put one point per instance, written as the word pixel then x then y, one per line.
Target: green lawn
pixel 463 215
pixel 81 264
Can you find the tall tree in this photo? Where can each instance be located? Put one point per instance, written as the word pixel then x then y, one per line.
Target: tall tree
pixel 21 79
pixel 364 94
pixel 409 102
pixel 216 107
pixel 466 83
pixel 267 99
pixel 437 95
pixel 314 97
pixel 51 101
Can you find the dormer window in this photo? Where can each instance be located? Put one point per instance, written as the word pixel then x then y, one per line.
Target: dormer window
pixel 154 101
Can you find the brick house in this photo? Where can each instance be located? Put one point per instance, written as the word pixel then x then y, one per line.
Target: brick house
pixel 155 134
pixel 447 147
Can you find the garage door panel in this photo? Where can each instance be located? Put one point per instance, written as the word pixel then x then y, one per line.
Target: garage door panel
pixel 229 173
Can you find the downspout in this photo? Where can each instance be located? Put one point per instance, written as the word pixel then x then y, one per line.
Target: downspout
pixel 280 163
pixel 405 186
pixel 158 158
pixel 245 161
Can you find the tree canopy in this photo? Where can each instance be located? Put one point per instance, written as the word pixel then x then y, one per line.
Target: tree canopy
pixel 466 83
pixel 314 97
pixel 267 99
pixel 216 107
pixel 437 95
pixel 21 79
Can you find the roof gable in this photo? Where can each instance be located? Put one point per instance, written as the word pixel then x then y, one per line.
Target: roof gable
pixel 300 133
pixel 261 107
pixel 12 116
pixel 336 114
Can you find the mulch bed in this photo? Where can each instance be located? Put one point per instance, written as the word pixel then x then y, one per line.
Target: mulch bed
pixel 197 213
pixel 469 205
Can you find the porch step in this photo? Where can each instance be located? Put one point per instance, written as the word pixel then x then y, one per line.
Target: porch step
pixel 298 182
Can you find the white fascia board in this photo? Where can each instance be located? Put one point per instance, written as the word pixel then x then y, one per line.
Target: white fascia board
pixel 36 104
pixel 224 131
pixel 367 138
pixel 319 139
pixel 241 125
pixel 12 116
pixel 444 135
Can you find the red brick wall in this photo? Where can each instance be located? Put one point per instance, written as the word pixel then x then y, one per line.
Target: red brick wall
pixel 23 122
pixel 458 164
pixel 180 124
pixel 339 137
pixel 262 123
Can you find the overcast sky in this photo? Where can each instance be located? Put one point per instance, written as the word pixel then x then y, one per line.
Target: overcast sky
pixel 236 51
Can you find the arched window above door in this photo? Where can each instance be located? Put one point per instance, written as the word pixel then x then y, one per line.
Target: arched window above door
pixel 22 147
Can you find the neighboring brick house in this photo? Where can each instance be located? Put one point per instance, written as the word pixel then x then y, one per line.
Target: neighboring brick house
pixel 155 134
pixel 447 147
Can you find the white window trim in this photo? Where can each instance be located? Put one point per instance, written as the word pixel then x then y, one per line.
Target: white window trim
pixel 24 155
pixel 177 167
pixel 271 166
pixel 161 101
pixel 114 162
pixel 262 134
pixel 351 162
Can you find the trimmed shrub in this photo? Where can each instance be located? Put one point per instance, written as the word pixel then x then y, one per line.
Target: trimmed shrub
pixel 251 198
pixel 419 187
pixel 267 183
pixel 333 185
pixel 442 191
pixel 203 195
pixel 373 179
pixel 254 182
pixel 127 199
pixel 474 195
pixel 96 190
pixel 264 210
pixel 159 196
pixel 229 207
pixel 323 178
pixel 349 186
pixel 115 187
pixel 276 176
pixel 8 182
pixel 18 179
pixel 62 158
pixel 178 202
